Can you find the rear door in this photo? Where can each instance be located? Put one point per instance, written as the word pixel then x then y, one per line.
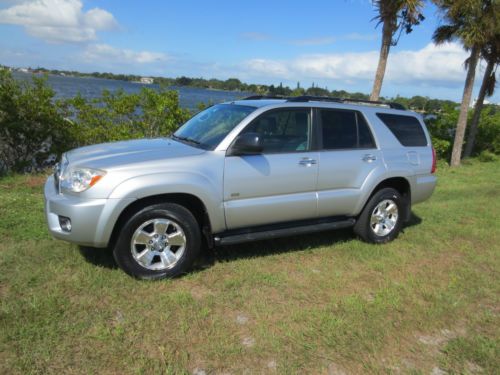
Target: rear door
pixel 348 155
pixel 278 185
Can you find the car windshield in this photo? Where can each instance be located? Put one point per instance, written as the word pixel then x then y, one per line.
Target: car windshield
pixel 209 127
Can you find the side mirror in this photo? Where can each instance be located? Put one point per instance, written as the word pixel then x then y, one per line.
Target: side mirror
pixel 246 144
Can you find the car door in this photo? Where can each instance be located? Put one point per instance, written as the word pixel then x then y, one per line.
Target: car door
pixel 278 185
pixel 348 155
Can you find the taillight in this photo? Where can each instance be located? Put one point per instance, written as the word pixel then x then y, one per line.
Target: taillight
pixel 433 168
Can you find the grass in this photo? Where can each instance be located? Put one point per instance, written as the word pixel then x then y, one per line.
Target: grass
pixel 314 304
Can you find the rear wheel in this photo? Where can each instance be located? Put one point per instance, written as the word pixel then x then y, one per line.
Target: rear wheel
pixel 382 218
pixel 160 241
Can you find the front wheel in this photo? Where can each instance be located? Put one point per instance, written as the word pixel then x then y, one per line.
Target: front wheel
pixel 160 241
pixel 381 219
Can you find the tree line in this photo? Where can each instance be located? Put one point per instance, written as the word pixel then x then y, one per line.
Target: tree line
pixel 35 128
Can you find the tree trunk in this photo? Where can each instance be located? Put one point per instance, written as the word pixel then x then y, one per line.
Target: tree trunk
pixel 477 110
pixel 456 153
pixel 382 61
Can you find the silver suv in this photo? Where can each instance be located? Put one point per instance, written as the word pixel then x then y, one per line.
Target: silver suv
pixel 247 170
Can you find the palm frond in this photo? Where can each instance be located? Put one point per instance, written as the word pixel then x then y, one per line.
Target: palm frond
pixel 445 33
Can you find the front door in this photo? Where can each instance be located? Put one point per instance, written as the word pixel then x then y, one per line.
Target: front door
pixel 278 185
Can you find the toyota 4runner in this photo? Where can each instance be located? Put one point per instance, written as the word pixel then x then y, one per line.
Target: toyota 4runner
pixel 247 170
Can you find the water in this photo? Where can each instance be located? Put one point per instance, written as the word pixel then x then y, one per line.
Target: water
pixel 89 87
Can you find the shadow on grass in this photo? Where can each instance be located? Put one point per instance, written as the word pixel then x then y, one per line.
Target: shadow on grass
pixel 104 257
pixel 99 257
pixel 282 245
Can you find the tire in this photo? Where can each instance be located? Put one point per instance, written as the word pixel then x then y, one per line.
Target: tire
pixel 160 241
pixel 380 222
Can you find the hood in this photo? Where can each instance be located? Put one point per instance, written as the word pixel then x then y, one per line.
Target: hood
pixel 117 154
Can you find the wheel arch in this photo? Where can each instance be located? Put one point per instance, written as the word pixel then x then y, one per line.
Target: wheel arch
pixel 190 201
pixel 402 185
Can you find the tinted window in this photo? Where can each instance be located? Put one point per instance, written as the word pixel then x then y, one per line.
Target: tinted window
pixel 406 129
pixel 365 135
pixel 283 130
pixel 345 130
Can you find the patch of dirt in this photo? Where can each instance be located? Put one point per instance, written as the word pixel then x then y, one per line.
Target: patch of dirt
pixel 438 371
pixel 200 292
pixel 36 180
pixel 241 319
pixel 199 371
pixel 334 369
pixel 473 368
pixel 439 339
pixel 272 365
pixel 248 341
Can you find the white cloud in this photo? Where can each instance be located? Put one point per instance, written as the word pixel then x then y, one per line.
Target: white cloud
pixel 431 64
pixel 104 53
pixel 58 20
pixel 267 68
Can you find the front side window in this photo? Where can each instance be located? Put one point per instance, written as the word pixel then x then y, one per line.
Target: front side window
pixel 343 129
pixel 209 127
pixel 283 131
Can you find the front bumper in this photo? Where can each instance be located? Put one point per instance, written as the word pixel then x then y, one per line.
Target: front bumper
pixel 92 220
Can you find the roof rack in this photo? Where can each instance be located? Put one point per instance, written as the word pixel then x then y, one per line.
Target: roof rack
pixel 307 98
pixel 258 97
pixel 310 98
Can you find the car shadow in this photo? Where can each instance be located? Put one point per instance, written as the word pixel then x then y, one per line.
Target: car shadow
pixel 104 257
pixel 277 246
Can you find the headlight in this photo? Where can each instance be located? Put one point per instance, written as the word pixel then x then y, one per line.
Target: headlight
pixel 80 179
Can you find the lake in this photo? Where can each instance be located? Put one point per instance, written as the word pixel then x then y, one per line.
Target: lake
pixel 89 87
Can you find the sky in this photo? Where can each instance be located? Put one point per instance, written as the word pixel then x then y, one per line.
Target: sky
pixel 331 43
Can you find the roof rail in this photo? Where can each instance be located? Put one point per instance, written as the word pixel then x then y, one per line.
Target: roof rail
pixel 310 98
pixel 307 98
pixel 258 97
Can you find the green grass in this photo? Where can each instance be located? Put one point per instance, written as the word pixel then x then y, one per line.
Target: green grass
pixel 313 304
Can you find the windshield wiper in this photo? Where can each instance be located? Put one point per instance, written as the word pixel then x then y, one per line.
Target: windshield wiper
pixel 186 139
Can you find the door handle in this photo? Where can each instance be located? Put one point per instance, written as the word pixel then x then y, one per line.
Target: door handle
pixel 307 162
pixel 369 158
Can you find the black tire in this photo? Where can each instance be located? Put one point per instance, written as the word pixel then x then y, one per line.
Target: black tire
pixel 363 227
pixel 123 250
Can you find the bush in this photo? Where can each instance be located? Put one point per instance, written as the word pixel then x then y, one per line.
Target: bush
pixel 31 125
pixel 118 116
pixel 488 136
pixel 35 128
pixel 487 156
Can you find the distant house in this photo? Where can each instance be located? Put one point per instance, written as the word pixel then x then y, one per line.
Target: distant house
pixel 147 80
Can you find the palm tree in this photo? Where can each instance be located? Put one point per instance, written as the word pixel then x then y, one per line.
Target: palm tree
pixel 394 15
pixel 473 23
pixel 492 56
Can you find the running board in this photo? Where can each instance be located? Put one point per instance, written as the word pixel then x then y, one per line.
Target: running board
pixel 231 239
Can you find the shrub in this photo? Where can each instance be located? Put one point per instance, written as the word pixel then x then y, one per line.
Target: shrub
pixel 31 125
pixel 118 115
pixel 488 136
pixel 487 156
pixel 34 126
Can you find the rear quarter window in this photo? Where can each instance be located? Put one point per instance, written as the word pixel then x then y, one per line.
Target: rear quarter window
pixel 407 129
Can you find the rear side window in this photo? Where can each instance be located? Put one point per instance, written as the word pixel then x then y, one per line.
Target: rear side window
pixel 345 130
pixel 406 129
